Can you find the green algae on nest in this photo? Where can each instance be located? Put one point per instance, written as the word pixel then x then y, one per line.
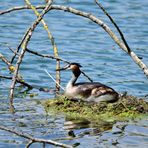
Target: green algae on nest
pixel 125 108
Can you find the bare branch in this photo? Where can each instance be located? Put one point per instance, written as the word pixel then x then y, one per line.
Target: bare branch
pixel 18 81
pixel 29 143
pixel 24 46
pixel 5 60
pixel 57 58
pixel 116 26
pixel 41 55
pixel 15 53
pixel 94 19
pixel 20 44
pixel 20 8
pixel 86 76
pixel 46 56
pixel 32 139
pixel 99 22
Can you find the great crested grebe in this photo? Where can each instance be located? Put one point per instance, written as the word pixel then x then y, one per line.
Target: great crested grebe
pixel 88 91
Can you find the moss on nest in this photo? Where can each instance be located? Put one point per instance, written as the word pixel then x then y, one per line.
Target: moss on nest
pixel 125 108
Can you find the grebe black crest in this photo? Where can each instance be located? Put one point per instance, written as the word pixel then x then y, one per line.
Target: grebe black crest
pixel 89 91
pixel 77 64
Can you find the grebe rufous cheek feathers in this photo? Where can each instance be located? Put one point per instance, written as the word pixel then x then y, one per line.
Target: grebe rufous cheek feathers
pixel 89 91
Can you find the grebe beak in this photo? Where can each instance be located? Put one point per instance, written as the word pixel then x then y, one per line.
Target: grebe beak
pixel 59 69
pixel 64 68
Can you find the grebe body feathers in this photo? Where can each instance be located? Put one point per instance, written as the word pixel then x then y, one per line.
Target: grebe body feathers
pixel 89 91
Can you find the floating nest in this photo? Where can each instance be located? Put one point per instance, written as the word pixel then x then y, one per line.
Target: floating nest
pixel 128 107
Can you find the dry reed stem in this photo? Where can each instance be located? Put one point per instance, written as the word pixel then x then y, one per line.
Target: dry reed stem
pixel 50 36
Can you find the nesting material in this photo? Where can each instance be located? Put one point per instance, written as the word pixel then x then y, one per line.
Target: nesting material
pixel 128 107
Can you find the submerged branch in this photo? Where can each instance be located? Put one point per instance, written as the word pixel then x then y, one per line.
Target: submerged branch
pixel 34 140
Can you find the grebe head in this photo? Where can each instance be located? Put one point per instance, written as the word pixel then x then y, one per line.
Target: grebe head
pixel 71 66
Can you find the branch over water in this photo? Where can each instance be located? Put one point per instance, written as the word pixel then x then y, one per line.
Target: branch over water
pixel 34 140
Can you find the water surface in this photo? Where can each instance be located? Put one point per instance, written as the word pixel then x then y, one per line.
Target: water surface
pixel 78 40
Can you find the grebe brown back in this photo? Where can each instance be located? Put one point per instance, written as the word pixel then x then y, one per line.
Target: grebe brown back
pixel 89 91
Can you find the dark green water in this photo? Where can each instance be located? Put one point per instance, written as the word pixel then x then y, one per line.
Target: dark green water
pixel 78 40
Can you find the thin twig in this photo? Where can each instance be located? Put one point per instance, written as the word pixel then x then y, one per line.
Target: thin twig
pixel 18 81
pixel 29 143
pixel 86 76
pixel 15 53
pixel 19 8
pixel 116 26
pixel 5 60
pixel 20 44
pixel 25 84
pixel 57 58
pixel 54 79
pixel 32 139
pixel 47 56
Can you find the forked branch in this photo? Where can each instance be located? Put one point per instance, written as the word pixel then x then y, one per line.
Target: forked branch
pixel 24 46
pixel 34 140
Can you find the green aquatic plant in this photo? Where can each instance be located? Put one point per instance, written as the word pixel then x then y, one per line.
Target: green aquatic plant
pixel 125 108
